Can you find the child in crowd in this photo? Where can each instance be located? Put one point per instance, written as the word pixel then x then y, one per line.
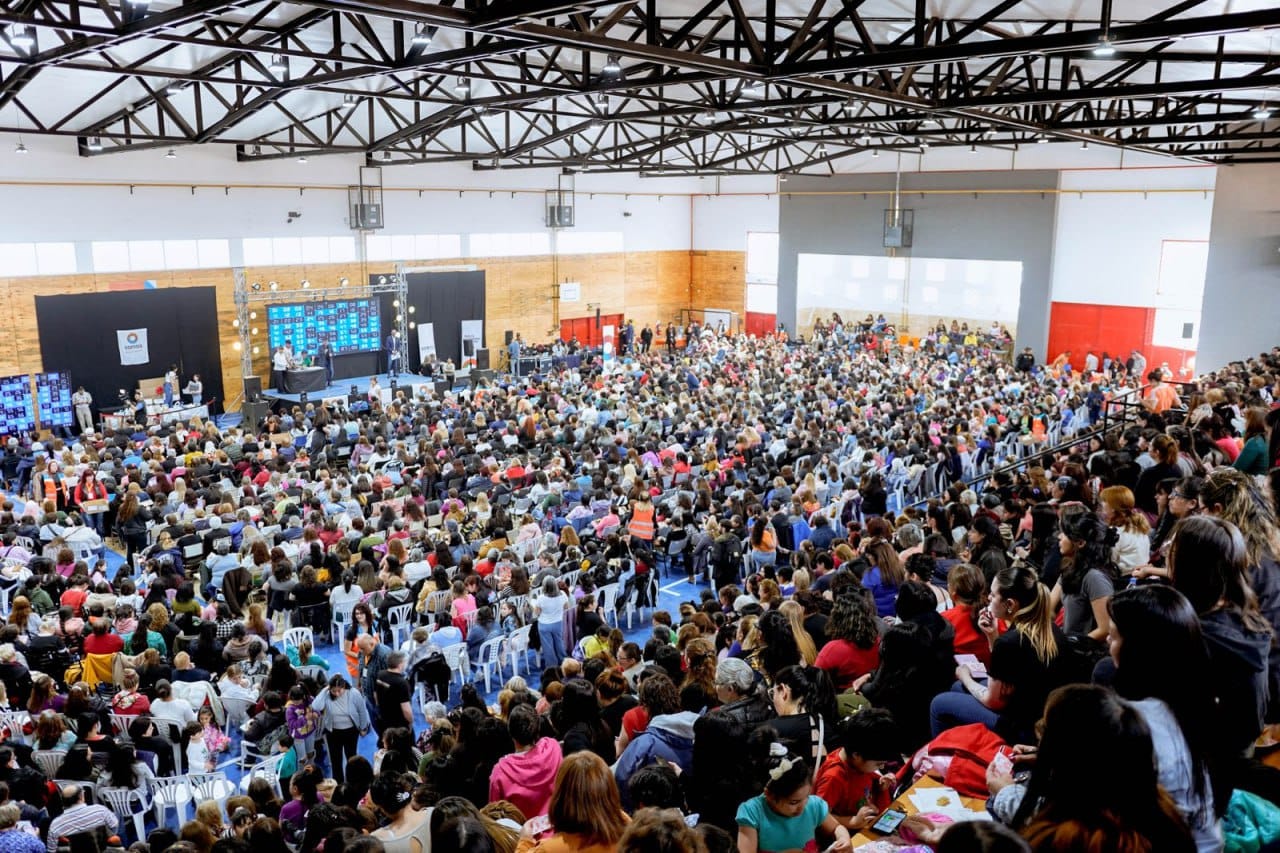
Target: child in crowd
pixel 199 759
pixel 215 739
pixel 787 815
pixel 850 781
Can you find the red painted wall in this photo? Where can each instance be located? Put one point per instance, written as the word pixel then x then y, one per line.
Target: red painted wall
pixel 1115 329
pixel 760 324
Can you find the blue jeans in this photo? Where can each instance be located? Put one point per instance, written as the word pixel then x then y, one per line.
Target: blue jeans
pixel 957 707
pixel 552 637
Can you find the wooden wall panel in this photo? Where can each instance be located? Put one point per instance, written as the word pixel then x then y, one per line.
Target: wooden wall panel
pixel 645 286
pixel 719 280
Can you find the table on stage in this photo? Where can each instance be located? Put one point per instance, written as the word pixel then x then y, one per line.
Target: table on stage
pixel 904 804
pixel 304 379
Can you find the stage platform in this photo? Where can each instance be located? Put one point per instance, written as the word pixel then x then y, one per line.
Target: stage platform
pixel 342 387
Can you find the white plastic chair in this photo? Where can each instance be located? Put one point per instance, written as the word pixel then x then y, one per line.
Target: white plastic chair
pixel 268 768
pixel 48 760
pixel 295 636
pixel 607 598
pixel 236 709
pixel 458 660
pixel 341 621
pixel 490 658
pixel 400 621
pixel 171 792
pixel 129 803
pixel 518 648
pixel 312 670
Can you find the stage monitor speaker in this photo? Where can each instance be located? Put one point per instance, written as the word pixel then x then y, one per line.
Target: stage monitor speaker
pixel 253 413
pixel 482 359
pixel 253 388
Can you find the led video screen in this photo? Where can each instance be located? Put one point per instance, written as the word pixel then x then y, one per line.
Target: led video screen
pixel 347 325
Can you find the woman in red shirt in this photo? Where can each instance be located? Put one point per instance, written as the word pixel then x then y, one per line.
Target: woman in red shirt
pixel 854 649
pixel 968 589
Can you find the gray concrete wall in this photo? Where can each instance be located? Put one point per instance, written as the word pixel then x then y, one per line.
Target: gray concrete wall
pixel 1242 281
pixel 1000 226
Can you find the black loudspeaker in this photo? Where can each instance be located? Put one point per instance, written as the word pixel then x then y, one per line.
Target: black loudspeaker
pixel 252 388
pixel 482 358
pixel 252 414
pixel 508 336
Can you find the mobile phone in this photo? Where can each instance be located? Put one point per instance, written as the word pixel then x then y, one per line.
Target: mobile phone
pixel 889 821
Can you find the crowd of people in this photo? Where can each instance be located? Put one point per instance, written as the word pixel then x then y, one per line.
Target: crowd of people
pixel 1095 625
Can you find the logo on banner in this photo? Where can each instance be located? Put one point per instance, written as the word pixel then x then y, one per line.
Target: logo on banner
pixel 133 346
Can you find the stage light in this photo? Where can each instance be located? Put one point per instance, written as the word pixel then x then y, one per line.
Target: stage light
pixel 235 346
pixel 462 88
pixel 1104 48
pixel 274 286
pixel 305 284
pixel 612 65
pixel 171 155
pixel 421 37
pixel 95 143
pixel 253 315
pixel 235 324
pixel 413 309
pixel 279 64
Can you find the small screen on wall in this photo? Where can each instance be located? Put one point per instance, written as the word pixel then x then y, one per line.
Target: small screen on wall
pixel 53 399
pixel 16 414
pixel 347 325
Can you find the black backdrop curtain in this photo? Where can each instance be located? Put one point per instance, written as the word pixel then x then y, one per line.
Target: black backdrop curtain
pixel 78 335
pixel 445 299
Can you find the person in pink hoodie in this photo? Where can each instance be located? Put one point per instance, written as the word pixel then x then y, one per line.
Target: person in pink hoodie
pixel 526 776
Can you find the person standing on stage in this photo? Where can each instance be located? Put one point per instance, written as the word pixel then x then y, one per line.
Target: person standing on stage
pixel 83 400
pixel 279 364
pixel 170 385
pixel 325 356
pixel 393 353
pixel 513 353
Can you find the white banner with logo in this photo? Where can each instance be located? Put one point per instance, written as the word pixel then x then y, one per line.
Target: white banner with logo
pixel 133 346
pixel 472 341
pixel 426 342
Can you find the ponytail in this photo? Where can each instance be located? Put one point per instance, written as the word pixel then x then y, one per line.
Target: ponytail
pixel 1033 619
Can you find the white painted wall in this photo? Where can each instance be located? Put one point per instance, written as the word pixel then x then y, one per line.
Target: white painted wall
pixel 1107 249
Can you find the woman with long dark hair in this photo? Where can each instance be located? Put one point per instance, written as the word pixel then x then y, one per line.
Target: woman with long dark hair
pixel 1070 805
pixel 1088 576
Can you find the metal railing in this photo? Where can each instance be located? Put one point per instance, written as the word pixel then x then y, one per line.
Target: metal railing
pixel 1116 415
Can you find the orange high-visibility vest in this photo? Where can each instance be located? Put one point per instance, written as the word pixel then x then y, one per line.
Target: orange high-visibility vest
pixel 641 524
